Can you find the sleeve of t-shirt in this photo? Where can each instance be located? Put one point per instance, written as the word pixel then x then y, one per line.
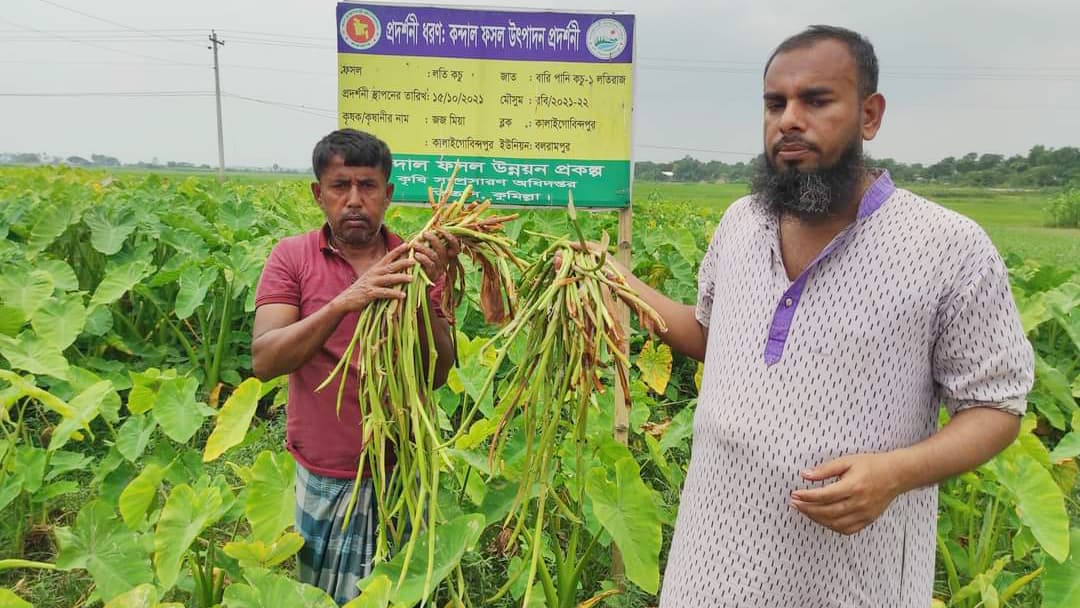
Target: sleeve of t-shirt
pixel 981 356
pixel 707 281
pixel 280 280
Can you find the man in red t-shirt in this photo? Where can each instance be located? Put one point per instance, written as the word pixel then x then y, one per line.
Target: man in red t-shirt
pixel 307 304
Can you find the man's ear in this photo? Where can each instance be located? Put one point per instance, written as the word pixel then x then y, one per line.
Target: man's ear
pixel 873 110
pixel 389 192
pixel 316 191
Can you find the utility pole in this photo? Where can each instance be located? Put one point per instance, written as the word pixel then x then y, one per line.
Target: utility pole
pixel 214 43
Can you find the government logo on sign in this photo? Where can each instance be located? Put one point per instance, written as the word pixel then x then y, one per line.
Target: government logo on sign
pixel 606 38
pixel 360 28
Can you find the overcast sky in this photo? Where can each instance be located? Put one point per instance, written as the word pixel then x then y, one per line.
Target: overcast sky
pixel 988 76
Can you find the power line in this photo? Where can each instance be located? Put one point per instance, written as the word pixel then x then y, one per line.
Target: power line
pixel 111 22
pixel 100 46
pixel 321 112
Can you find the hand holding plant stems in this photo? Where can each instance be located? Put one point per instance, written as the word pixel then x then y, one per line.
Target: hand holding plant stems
pixel 396 370
pixel 567 311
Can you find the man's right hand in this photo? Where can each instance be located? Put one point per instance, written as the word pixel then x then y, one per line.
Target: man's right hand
pixel 380 282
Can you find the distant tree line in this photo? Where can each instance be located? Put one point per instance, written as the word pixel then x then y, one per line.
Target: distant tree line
pixel 103 161
pixel 1041 167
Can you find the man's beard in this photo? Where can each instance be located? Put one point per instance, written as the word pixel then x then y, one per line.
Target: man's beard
pixel 809 195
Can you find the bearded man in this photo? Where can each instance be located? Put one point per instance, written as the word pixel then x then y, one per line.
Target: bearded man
pixel 836 314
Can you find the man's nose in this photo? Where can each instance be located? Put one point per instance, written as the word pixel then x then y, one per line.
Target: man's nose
pixel 793 118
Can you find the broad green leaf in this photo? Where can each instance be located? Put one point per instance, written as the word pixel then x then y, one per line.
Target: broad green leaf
pixel 63 462
pixel 234 419
pixel 271 500
pixel 680 430
pixel 144 388
pixel 119 280
pixel 1039 501
pixel 62 274
pixel 109 227
pixel 99 320
pixel 1067 448
pixel 185 515
pixel 60 320
pixel 1061 583
pixel 236 214
pixel 655 364
pixel 28 388
pixel 452 540
pixel 29 466
pixel 51 222
pixel 134 435
pixel 139 494
pixel 11 320
pixel 376 595
pixel 261 555
pixel 87 406
pixel 698 375
pixel 101 544
pixel 265 589
pixel 1051 381
pixel 8 599
pixel 194 283
pixel 627 510
pixel 31 353
pixel 143 596
pixel 25 290
pixel 1033 312
pixel 176 410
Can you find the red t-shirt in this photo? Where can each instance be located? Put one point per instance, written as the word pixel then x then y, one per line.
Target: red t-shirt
pixel 307 272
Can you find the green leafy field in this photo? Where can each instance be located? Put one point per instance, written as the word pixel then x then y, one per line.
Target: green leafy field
pixel 140 464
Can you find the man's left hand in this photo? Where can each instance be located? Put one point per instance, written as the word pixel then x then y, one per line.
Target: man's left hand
pixel 867 484
pixel 434 251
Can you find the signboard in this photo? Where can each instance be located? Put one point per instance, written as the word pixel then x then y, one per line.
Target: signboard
pixel 532 104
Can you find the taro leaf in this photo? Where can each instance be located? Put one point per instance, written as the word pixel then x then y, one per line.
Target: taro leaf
pixel 684 243
pixel 1039 501
pixel 271 499
pixel 680 430
pixel 259 554
pixel 1033 312
pixel 1061 583
pixel 234 419
pixel 627 510
pixel 109 227
pixel 144 388
pixel 143 596
pixel 176 409
pixel 265 589
pixel 64 462
pixel 134 435
pixel 1050 381
pixel 654 361
pixel 185 515
pixel 8 599
pixel 87 406
pixel 27 387
pixel 60 320
pixel 139 494
pixel 52 221
pixel 1068 447
pixel 474 365
pixel 699 373
pixel 11 320
pixel 99 320
pixel 29 467
pixel 377 594
pixel 31 353
pixel 24 290
pixel 119 280
pixel 236 214
pixel 101 544
pixel 194 283
pixel 452 540
pixel 62 274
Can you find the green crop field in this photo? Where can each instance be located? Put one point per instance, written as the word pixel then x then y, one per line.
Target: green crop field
pixel 140 461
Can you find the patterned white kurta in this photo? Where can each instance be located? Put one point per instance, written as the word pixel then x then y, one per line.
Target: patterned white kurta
pixel 907 308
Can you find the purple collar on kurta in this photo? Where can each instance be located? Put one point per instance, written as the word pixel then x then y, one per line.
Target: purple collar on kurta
pixel 780 327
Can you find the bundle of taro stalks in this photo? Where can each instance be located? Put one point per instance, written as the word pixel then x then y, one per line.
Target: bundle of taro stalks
pixel 567 311
pixel 393 353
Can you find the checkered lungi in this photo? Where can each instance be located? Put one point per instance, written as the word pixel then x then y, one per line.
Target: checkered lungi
pixel 332 559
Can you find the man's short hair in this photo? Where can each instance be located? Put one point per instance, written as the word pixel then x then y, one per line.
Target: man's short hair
pixel 356 148
pixel 861 50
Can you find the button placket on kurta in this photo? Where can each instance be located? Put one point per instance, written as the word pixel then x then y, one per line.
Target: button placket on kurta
pixel 784 315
